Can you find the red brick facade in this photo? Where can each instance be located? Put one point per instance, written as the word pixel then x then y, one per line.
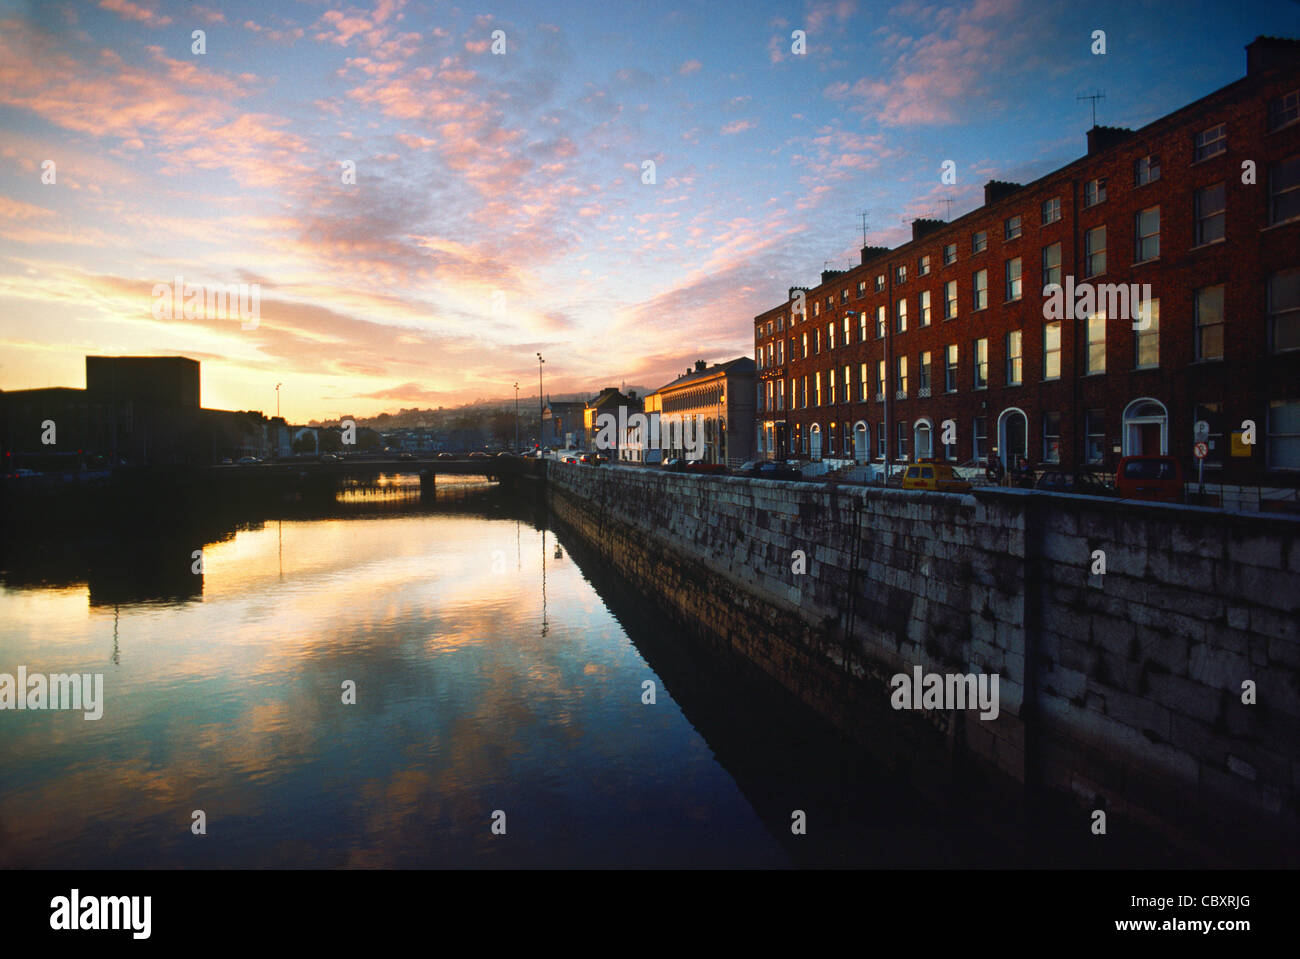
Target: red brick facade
pixel 1248 251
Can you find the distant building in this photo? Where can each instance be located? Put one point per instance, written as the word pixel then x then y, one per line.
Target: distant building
pixel 562 423
pixel 722 397
pixel 609 400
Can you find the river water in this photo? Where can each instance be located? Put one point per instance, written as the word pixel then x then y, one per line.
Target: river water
pixel 499 682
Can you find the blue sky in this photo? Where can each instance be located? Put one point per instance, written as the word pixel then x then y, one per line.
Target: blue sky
pixel 499 208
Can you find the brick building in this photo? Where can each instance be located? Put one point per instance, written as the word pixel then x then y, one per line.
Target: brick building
pixel 1187 231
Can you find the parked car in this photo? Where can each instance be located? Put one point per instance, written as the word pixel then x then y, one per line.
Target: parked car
pixel 571 459
pixel 406 456
pixel 770 469
pixel 479 455
pixel 226 461
pixel 445 456
pixel 1083 482
pixel 1156 478
pixel 248 461
pixel 934 476
pixel 506 454
pixel 699 466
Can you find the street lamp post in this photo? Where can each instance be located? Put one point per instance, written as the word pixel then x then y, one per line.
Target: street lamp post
pixel 516 417
pixel 540 408
pixel 276 448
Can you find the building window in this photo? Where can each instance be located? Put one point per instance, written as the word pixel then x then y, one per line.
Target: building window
pixel 900 378
pixel 780 322
pixel 1052 265
pixel 880 283
pixel 862 288
pixel 900 316
pixel 830 336
pixel 846 395
pixel 1146 170
pixel 1013 279
pixel 1211 142
pixel 780 352
pixel 900 274
pixel 1011 228
pixel 882 439
pixel 1015 358
pixel 981 438
pixel 880 380
pixel 925 308
pixel 817 341
pixel 1146 342
pixel 950 254
pixel 817 308
pixel 880 322
pixel 981 364
pixel 1284 190
pixel 1284 309
pixel 1211 414
pixel 804 352
pixel 1283 434
pixel 805 392
pixel 780 394
pixel 1284 110
pixel 1094 444
pixel 848 331
pixel 1096 351
pixel 830 386
pixel 981 289
pixel 863 386
pixel 923 375
pixel 1147 244
pixel 844 296
pixel 817 389
pixel 1051 210
pixel 923 266
pixel 1210 213
pixel 901 429
pixel 1051 437
pixel 1052 350
pixel 1209 323
pixel 950 369
pixel 1094 251
pixel 1094 192
pixel 979 242
pixel 950 300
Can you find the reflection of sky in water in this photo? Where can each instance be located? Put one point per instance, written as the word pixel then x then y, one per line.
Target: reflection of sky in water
pixel 233 705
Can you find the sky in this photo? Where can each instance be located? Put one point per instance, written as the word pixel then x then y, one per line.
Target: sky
pixel 499 204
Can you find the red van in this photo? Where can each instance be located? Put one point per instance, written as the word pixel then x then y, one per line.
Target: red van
pixel 1158 478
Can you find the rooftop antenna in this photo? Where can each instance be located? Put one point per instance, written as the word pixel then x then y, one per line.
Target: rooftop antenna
pixel 1094 97
pixel 948 200
pixel 863 214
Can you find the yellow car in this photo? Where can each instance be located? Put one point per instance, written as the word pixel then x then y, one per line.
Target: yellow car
pixel 934 476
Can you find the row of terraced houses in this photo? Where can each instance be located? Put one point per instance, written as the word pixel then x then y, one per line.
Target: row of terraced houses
pixel 1188 229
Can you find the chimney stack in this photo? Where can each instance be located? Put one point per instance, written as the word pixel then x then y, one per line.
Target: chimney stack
pixel 995 190
pixel 699 366
pixel 1102 138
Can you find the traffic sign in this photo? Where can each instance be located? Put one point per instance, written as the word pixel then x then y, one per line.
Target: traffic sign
pixel 1200 449
pixel 1202 431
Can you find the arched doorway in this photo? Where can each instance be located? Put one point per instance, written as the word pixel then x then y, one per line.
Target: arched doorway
pixel 1013 436
pixel 815 434
pixel 1146 428
pixel 922 439
pixel 861 441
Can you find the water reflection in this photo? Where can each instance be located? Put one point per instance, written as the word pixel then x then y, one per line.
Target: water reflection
pixel 482 685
